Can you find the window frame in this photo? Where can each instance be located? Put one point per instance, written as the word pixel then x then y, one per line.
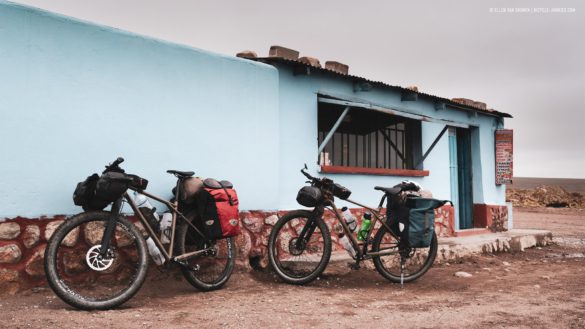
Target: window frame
pixel 411 136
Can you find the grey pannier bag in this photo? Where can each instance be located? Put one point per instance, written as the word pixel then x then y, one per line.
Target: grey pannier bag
pixel 421 220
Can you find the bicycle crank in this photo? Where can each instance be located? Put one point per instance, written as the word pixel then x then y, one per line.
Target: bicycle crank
pixel 186 265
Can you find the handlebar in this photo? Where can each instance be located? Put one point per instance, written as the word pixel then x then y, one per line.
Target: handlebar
pixel 114 166
pixel 308 175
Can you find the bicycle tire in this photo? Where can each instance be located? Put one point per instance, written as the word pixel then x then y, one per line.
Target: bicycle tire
pixel 416 265
pixel 206 272
pixel 278 247
pixel 128 251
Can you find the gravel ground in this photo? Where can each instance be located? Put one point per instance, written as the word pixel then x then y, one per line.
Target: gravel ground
pixel 539 288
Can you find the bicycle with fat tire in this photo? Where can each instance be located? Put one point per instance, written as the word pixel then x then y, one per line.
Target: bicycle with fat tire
pixel 99 259
pixel 299 246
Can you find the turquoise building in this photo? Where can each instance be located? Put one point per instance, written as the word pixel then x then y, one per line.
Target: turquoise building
pixel 75 95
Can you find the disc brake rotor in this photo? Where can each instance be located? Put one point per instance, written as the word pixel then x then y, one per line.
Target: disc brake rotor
pixel 96 262
pixel 292 247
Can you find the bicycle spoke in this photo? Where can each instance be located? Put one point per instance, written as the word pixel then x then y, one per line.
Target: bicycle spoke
pixel 292 261
pixel 416 263
pixel 84 273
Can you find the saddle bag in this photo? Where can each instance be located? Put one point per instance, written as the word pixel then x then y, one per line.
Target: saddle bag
pixel 218 209
pixel 190 188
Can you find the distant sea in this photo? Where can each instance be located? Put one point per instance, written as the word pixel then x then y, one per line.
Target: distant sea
pixel 569 184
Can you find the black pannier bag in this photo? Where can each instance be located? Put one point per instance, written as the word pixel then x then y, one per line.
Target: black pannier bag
pixel 112 185
pixel 418 217
pixel 309 196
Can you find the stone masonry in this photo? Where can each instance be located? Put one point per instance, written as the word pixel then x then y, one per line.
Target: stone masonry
pixel 23 242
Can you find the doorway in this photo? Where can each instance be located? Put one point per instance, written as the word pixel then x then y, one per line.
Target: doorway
pixel 464 178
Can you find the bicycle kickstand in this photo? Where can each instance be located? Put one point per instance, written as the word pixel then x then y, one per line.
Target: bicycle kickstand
pixel 402 272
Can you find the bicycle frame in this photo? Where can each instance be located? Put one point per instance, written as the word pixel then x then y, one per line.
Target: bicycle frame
pixel 363 254
pixel 173 207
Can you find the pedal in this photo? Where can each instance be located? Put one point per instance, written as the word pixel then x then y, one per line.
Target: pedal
pixel 186 265
pixel 354 266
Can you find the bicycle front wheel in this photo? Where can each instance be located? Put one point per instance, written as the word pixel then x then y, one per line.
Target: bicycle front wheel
pixel 211 269
pixel 291 264
pixel 418 262
pixel 80 276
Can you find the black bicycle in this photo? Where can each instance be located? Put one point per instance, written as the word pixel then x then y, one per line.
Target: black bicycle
pixel 99 259
pixel 299 246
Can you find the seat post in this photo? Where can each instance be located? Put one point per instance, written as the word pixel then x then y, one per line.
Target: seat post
pixel 382 200
pixel 178 188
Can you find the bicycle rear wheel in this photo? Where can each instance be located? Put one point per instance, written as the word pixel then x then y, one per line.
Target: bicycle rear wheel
pixel 417 264
pixel 210 270
pixel 80 276
pixel 293 265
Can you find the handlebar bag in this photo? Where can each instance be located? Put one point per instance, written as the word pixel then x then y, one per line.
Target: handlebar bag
pixel 138 182
pixel 85 190
pixel 309 196
pixel 341 191
pixel 84 195
pixel 218 209
pixel 112 185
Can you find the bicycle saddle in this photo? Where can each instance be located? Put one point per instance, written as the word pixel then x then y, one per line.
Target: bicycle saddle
pixel 181 173
pixel 388 190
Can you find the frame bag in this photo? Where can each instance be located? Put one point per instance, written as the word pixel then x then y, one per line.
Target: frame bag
pixel 218 208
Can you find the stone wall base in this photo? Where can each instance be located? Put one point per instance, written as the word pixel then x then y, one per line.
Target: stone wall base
pixel 492 217
pixel 23 242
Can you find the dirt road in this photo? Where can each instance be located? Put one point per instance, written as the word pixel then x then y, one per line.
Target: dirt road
pixel 540 288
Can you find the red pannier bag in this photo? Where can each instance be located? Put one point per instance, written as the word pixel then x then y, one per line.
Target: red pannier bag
pixel 221 215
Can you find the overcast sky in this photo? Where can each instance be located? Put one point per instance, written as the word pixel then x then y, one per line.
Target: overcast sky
pixel 528 62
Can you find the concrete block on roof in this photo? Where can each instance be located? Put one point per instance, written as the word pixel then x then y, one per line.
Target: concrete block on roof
pixel 470 102
pixel 337 67
pixel 247 54
pixel 310 60
pixel 283 52
pixel 480 105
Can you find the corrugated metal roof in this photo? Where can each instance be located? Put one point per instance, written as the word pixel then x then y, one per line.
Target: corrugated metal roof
pixel 281 60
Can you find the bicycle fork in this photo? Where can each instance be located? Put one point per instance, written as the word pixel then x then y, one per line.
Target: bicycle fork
pixel 110 227
pixel 308 230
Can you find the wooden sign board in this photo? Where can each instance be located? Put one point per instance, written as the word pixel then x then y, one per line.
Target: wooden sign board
pixel 504 156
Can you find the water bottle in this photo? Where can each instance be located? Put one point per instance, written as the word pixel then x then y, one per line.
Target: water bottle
pixel 344 240
pixel 347 245
pixel 165 227
pixel 349 218
pixel 154 252
pixel 147 210
pixel 365 227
